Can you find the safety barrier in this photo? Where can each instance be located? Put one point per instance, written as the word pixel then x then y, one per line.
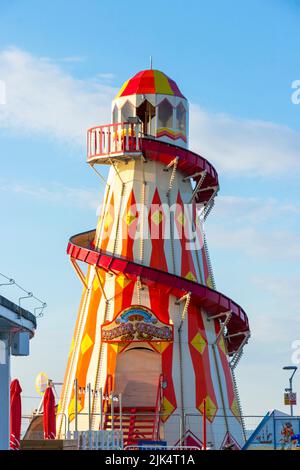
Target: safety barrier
pixel 97 440
pixel 154 447
pixel 269 432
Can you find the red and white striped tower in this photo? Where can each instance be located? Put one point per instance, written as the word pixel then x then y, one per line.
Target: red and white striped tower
pixel 151 325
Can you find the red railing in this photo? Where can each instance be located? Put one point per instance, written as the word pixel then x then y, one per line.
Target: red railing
pixel 159 399
pixel 131 428
pixel 112 139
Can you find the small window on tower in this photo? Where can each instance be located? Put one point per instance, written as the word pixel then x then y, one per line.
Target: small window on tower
pixel 165 114
pixel 115 115
pixel 181 117
pixel 127 111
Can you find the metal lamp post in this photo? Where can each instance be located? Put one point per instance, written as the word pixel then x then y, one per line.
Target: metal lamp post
pixel 292 368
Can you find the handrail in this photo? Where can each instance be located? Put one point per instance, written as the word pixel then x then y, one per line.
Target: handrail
pixel 111 139
pixel 159 398
pixel 12 282
pixel 132 421
pixel 126 139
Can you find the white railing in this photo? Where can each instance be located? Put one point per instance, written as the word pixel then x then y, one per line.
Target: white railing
pixel 112 139
pixel 97 440
pixel 159 447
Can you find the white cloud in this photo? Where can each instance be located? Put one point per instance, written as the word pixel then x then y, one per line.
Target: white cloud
pixel 56 194
pixel 262 238
pixel 253 147
pixel 254 209
pixel 283 290
pixel 43 99
pixel 258 228
pixel 278 320
pixel 252 242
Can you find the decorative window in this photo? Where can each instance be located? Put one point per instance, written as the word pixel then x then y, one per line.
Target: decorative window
pixel 165 114
pixel 115 116
pixel 127 111
pixel 181 117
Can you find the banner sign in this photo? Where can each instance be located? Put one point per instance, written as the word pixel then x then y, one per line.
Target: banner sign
pixel 136 323
pixel 290 398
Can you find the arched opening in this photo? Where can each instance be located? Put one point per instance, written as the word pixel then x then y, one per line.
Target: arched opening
pixel 165 114
pixel 115 115
pixel 127 111
pixel 181 118
pixel 137 377
pixel 146 113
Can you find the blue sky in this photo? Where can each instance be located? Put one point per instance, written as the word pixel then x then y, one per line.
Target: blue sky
pixel 62 62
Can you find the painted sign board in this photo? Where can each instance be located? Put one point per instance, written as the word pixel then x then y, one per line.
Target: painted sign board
pixel 136 323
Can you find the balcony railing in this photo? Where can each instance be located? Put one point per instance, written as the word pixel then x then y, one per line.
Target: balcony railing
pixel 113 139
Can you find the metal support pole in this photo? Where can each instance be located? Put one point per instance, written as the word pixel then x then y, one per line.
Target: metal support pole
pixel 290 392
pixel 112 411
pixel 120 411
pixel 223 326
pixel 76 404
pixel 4 391
pixel 180 429
pixel 204 425
pixel 89 404
pixel 101 408
pixel 181 378
pixel 79 272
pixel 198 186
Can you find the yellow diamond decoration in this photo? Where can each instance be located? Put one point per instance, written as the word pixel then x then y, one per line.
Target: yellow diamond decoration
pixel 86 343
pixel 211 408
pixel 160 347
pixel 157 217
pixel 71 408
pixel 123 281
pixel 167 409
pixel 108 220
pixel 235 409
pixel 180 218
pixel 130 217
pixel 199 343
pixel 190 276
pixel 209 282
pixel 114 347
pixel 99 279
pixel 222 345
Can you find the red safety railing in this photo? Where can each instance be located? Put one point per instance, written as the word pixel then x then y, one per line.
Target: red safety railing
pixel 159 399
pixel 131 428
pixel 113 139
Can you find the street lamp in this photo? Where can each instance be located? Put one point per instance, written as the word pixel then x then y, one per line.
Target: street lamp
pixel 293 368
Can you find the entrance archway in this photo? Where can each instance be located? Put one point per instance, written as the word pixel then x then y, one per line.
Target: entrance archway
pixel 146 113
pixel 137 377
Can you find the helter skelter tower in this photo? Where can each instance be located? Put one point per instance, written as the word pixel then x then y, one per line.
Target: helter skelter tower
pixel 151 325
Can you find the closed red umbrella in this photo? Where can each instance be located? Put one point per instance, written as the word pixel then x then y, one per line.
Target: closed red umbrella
pixel 49 414
pixel 15 414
